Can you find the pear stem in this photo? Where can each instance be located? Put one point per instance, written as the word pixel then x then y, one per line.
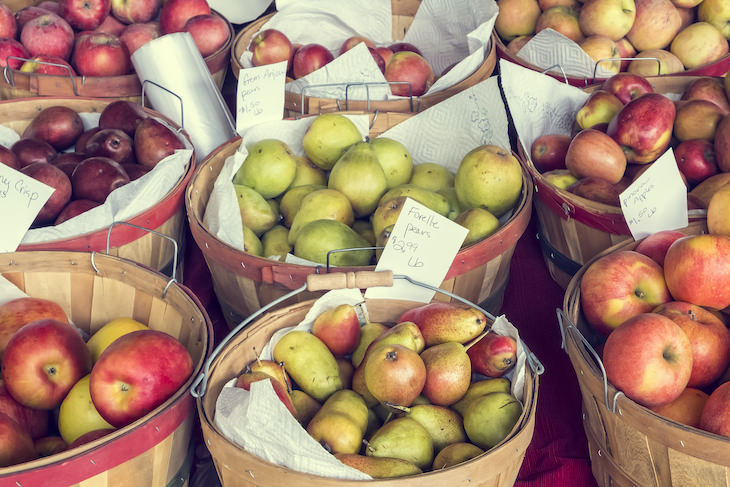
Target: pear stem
pixel 286 378
pixel 397 407
pixel 256 353
pixel 476 340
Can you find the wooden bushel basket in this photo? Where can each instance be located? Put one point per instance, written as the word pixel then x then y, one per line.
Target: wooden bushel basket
pixel 403 13
pixel 166 217
pixel 244 283
pixel 17 84
pixel 573 229
pixel 717 68
pixel 236 467
pixel 94 289
pixel 628 443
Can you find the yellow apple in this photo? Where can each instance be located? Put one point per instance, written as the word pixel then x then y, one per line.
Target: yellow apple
pixel 655 61
pixel 603 51
pixel 561 19
pixel 610 18
pixel 655 25
pixel 514 46
pixel 105 335
pixel 718 212
pixel 717 13
pixel 699 44
pixel 77 414
pixel 516 18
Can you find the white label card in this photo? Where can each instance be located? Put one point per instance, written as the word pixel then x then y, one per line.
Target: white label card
pixel 422 246
pixel 21 198
pixel 260 95
pixel 657 200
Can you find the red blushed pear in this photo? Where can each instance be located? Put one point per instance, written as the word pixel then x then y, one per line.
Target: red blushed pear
pixel 620 285
pixel 245 380
pixel 441 322
pixel 338 328
pixel 697 270
pixel 493 355
pixel 548 152
pixel 649 359
pixel 593 153
pixel 627 86
pixel 643 127
pixel 655 245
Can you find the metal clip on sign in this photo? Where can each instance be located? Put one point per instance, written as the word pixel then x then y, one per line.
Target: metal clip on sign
pixel 9 77
pixel 340 280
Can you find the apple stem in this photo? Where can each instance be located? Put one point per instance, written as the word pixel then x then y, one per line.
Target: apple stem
pixel 691 314
pixel 639 293
pixel 397 407
pixel 476 340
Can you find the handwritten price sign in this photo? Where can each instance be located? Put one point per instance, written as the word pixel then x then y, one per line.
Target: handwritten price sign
pixel 21 198
pixel 260 95
pixel 422 245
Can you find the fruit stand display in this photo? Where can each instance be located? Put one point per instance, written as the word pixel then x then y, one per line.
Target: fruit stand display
pixel 94 438
pixel 409 79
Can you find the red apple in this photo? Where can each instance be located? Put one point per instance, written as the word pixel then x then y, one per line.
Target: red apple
pixel 111 25
pixel 95 177
pixel 245 380
pixel 48 34
pixel 385 53
pixel 404 46
pixel 643 127
pixel 697 270
pixel 548 152
pixel 136 373
pixel 16 445
pixel 308 58
pixel 493 355
pixel 121 114
pixel 84 14
pixel 8 24
pixel 209 32
pixel 135 36
pixel 16 313
pixel 655 245
pixel 58 125
pixel 708 336
pixel 620 285
pixel 49 445
pixel 593 153
pixel 50 5
pixel 715 416
pixel 627 86
pixel 75 208
pixel 648 358
pixel 46 64
pixel 710 89
pixel 33 421
pixel 80 145
pixel 338 328
pixel 100 54
pixel 270 46
pixel 42 361
pixel 67 161
pixel 353 41
pixel 28 13
pixel 174 13
pixel 112 143
pixel 28 151
pixel 722 144
pixel 154 141
pixel 48 174
pixel 625 51
pixel 9 158
pixel 686 409
pixel 598 189
pixel 12 53
pixel 696 160
pixel 409 74
pixel 135 11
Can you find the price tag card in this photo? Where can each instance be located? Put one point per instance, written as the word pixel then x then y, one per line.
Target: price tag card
pixel 260 95
pixel 422 246
pixel 657 200
pixel 21 198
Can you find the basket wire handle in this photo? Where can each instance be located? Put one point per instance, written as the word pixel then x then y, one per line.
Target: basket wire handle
pixel 144 84
pixel 173 273
pixel 348 85
pixel 658 63
pixel 10 78
pixel 562 70
pixel 200 384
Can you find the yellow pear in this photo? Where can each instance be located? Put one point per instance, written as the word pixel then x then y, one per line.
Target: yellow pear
pixel 269 168
pixel 340 424
pixel 359 176
pixel 480 223
pixel 402 438
pixel 481 388
pixel 275 243
pixel 430 175
pixel 368 333
pixel 322 204
pixel 305 405
pixel 319 238
pixel 256 213
pixel 490 418
pixel 307 173
pixel 379 468
pixel 431 199
pixel 489 177
pixel 251 242
pixel 291 200
pixel 394 158
pixel 455 454
pixel 327 138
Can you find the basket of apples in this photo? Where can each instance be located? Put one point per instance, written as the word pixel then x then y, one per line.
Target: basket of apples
pixel 644 329
pixel 98 355
pixel 70 48
pixel 370 389
pixel 403 85
pixel 646 37
pixel 579 205
pixel 108 162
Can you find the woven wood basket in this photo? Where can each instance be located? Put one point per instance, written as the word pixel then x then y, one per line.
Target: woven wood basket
pixel 497 467
pixel 17 84
pixel 94 289
pixel 166 217
pixel 628 443
pixel 403 13
pixel 574 229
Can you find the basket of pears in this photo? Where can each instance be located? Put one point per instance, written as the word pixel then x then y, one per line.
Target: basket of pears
pixel 346 389
pixel 297 197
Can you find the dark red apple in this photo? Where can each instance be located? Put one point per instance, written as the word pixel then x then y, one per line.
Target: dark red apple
pixel 153 141
pixel 174 13
pixel 404 46
pixel 100 54
pixel 75 208
pixel 90 436
pixel 627 86
pixel 134 170
pixel 123 115
pixel 29 13
pixel 696 160
pixel 58 125
pixel 309 58
pixel 34 421
pixel 67 161
pixel 596 189
pixel 12 53
pixel 8 24
pixel 48 34
pixel 111 25
pixel 548 152
pixel 9 158
pixel 209 32
pixel 409 74
pixel 270 46
pixel 112 143
pixel 80 145
pixel 135 11
pixel 643 127
pixel 29 151
pixel 52 176
pixel 84 14
pixel 135 35
pixel 96 177
pixel 377 58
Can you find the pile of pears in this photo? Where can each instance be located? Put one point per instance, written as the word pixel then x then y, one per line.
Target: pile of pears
pixel 391 400
pixel 346 192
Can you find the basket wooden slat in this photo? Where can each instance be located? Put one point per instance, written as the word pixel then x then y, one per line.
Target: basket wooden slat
pixel 237 468
pixel 94 289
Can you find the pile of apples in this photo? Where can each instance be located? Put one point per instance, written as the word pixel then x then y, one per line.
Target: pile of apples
pixel 667 345
pixel 85 166
pixel 59 392
pixel 678 34
pixel 97 37
pixel 423 394
pixel 624 126
pixel 402 63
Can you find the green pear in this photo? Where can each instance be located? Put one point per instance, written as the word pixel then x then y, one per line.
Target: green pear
pixel 368 332
pixel 426 197
pixel 359 176
pixel 317 238
pixel 429 175
pixel 379 468
pixel 274 205
pixel 443 424
pixel 340 424
pixel 269 168
pixel 373 423
pixel 405 333
pixel 307 173
pixel 402 438
pixel 386 214
pixel 448 373
pixel 321 204
pixel 256 213
pixel 251 242
pixel 481 388
pixel 489 418
pixel 275 243
pixel 480 223
pixel 455 207
pixel 382 240
pixel 365 229
pixel 309 363
pixel 305 405
pixel 455 454
pixel 489 177
pixel 327 138
pixel 394 158
pixel 358 385
pixel 291 200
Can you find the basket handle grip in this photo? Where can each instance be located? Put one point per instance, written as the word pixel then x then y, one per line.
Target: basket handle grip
pixel 8 73
pixel 342 280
